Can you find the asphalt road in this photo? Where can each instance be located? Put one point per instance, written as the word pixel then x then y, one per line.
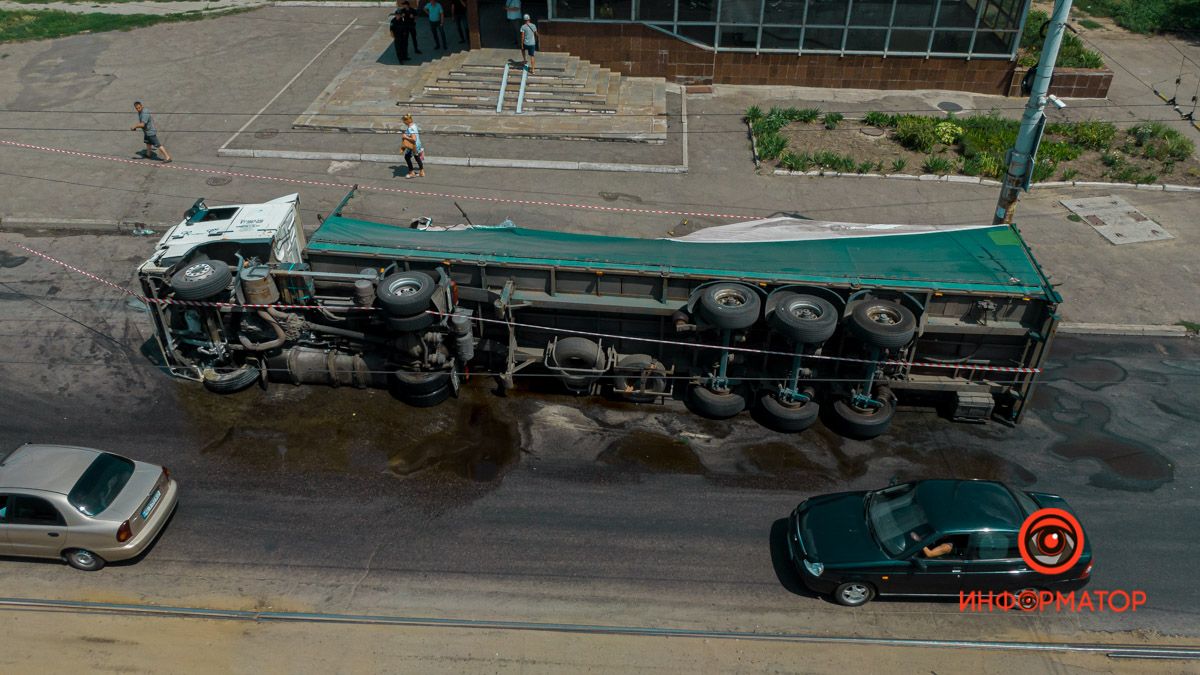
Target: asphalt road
pixel 550 508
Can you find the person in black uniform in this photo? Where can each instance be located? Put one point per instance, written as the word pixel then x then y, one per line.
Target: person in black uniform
pixel 404 27
pixel 458 11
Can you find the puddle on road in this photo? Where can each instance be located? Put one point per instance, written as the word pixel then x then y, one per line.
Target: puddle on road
pixel 648 451
pixel 478 445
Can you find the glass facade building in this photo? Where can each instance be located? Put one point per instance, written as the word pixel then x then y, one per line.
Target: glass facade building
pixel 944 28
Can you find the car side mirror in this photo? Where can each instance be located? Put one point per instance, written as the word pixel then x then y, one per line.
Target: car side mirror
pixel 920 563
pixel 893 481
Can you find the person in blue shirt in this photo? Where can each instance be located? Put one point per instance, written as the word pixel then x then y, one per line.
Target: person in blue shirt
pixel 437 23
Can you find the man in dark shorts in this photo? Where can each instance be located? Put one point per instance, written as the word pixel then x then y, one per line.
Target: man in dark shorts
pixel 528 37
pixel 149 134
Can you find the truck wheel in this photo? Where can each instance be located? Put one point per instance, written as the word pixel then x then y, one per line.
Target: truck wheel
pixel 426 400
pixel 577 353
pixel 655 383
pixel 411 324
pixel 712 404
pixel 863 424
pixel 201 280
pixel 786 417
pixel 416 383
pixel 805 319
pixel 230 381
pixel 730 306
pixel 83 559
pixel 882 323
pixel 405 293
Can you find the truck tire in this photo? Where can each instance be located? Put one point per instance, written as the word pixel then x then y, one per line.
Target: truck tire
pixel 862 425
pixel 787 418
pixel 882 323
pixel 428 399
pixel 805 319
pixel 411 324
pixel 577 353
pixel 730 306
pixel 201 280
pixel 656 379
pixel 405 293
pixel 230 381
pixel 712 404
pixel 416 383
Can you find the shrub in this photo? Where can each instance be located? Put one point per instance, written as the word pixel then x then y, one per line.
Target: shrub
pixel 753 114
pixel 1092 134
pixel 804 114
pixel 984 164
pixel 1068 174
pixel 878 119
pixel 898 164
pixel 938 165
pixel 1178 147
pixel 832 119
pixel 948 132
pixel 1043 170
pixel 1111 159
pixel 1155 140
pixel 865 167
pixel 796 162
pixel 916 133
pixel 1059 152
pixel 1071 53
pixel 770 146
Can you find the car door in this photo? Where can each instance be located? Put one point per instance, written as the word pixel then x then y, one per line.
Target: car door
pixel 994 564
pixel 936 576
pixel 5 549
pixel 35 527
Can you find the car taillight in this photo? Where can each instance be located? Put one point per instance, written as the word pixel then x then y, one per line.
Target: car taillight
pixel 166 473
pixel 124 532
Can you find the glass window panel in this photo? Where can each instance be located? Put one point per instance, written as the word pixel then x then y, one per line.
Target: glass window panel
pixel 778 37
pixel 698 10
pixel 573 9
pixel 614 10
pixel 784 11
pixel 739 36
pixel 665 26
pixel 823 38
pixel 740 11
pixel 909 41
pixel 957 14
pixel 827 12
pixel 914 13
pixel 656 10
pixel 993 42
pixel 991 16
pixel 866 39
pixel 868 13
pixel 952 41
pixel 702 34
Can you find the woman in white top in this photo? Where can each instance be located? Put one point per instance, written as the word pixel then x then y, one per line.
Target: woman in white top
pixel 411 140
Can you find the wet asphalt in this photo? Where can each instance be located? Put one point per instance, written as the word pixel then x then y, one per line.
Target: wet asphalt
pixel 546 506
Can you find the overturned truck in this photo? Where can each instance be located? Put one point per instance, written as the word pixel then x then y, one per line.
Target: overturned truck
pixel 786 317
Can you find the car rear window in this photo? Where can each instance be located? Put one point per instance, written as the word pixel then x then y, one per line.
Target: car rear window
pixel 100 484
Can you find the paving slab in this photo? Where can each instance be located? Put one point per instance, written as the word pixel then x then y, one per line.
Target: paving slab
pixel 1117 220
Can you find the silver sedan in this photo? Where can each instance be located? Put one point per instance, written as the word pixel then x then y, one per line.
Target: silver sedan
pixel 84 506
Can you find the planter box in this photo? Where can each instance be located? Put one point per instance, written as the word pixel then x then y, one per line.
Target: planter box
pixel 1069 82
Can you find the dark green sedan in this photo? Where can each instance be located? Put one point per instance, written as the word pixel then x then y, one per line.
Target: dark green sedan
pixel 934 538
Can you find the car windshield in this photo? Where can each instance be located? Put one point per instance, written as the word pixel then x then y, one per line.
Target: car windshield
pixel 100 484
pixel 897 520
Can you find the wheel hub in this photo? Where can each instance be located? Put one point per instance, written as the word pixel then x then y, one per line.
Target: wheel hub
pixel 884 315
pixel 199 272
pixel 729 298
pixel 404 287
pixel 856 593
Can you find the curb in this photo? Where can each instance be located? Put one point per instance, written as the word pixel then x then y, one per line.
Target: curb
pixel 1141 330
pixel 457 161
pixel 10 223
pixel 976 180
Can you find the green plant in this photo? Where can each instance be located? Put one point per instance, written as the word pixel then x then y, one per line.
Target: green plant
pixel 879 166
pixel 938 165
pixel 832 119
pixel 804 114
pixel 1111 159
pixel 1090 24
pixel 1148 16
pixel 916 133
pixel 1125 174
pixel 770 146
pixel 19 25
pixel 865 167
pixel 1068 174
pixel 1043 169
pixel 1074 218
pixel 898 164
pixel 984 164
pixel 879 119
pixel 1059 152
pixel 1092 134
pixel 1190 325
pixel 1071 52
pixel 754 114
pixel 1178 147
pixel 796 162
pixel 948 132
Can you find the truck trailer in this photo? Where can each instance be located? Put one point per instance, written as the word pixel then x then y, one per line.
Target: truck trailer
pixel 793 319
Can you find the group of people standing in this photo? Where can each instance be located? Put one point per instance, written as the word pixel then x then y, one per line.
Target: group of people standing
pixel 404 24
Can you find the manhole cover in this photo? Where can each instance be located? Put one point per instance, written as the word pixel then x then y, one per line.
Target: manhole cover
pixel 872 131
pixel 272 133
pixel 218 181
pixel 949 106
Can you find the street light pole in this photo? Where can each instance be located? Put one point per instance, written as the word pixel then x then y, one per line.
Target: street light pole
pixel 1022 155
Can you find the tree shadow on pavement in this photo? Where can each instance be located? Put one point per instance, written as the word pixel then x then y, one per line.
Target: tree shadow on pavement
pixel 785 570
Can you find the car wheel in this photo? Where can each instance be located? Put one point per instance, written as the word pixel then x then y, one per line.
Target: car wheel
pixel 853 594
pixel 730 306
pixel 201 280
pixel 83 559
pixel 805 319
pixel 406 293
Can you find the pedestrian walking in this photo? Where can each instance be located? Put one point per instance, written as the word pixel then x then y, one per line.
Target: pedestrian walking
pixel 411 143
pixel 437 21
pixel 149 134
pixel 529 44
pixel 458 10
pixel 404 28
pixel 512 11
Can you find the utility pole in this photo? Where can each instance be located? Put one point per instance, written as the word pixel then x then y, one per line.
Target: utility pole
pixel 1022 155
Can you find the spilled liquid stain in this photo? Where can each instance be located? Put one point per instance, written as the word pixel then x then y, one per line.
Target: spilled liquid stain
pixel 479 445
pixel 8 260
pixel 787 465
pixel 652 452
pixel 1087 371
pixel 1126 464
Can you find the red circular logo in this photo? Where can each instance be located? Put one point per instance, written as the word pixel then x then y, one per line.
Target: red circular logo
pixel 1050 541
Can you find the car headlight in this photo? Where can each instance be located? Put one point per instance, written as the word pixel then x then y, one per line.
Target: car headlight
pixel 814 568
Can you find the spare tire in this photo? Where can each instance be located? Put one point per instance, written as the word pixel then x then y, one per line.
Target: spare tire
pixel 653 371
pixel 882 323
pixel 730 306
pixel 576 353
pixel 201 280
pixel 805 319
pixel 230 381
pixel 405 293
